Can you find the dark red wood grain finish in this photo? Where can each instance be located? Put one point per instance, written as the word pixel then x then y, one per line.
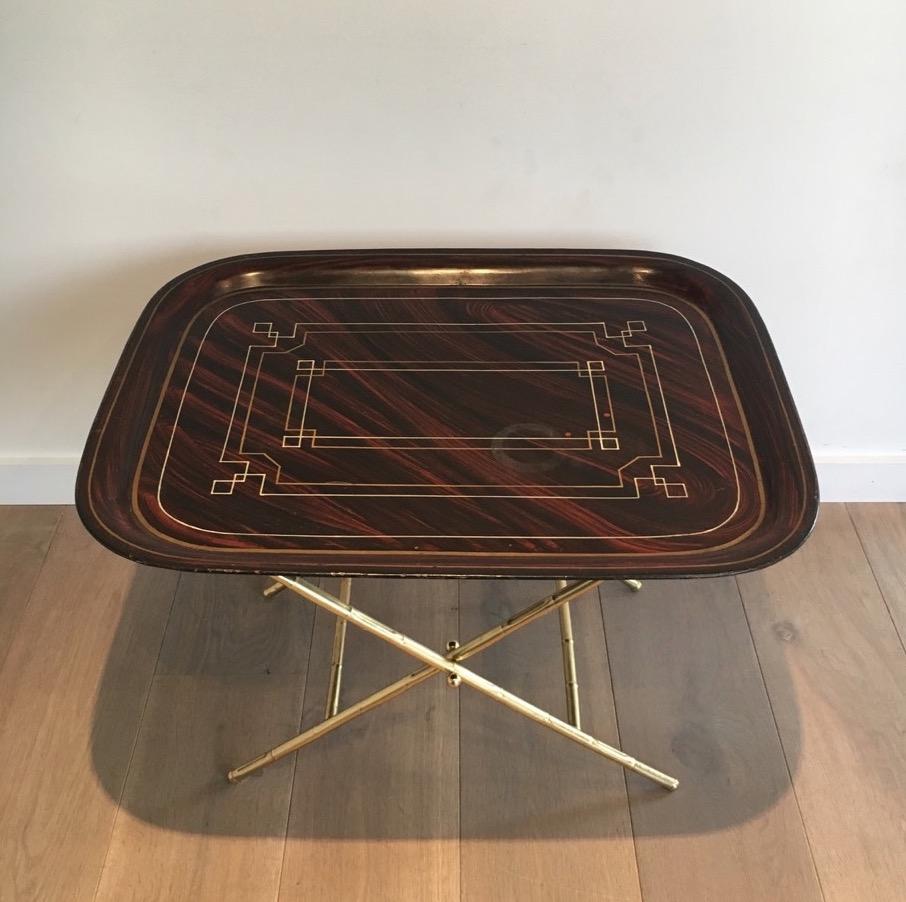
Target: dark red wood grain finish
pixel 519 413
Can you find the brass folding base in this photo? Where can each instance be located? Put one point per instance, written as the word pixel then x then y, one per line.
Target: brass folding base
pixel 449 663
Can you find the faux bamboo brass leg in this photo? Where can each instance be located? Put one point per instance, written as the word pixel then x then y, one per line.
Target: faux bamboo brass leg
pixel 467 677
pixel 272 590
pixel 482 641
pixel 336 659
pixel 569 662
pixel 634 584
pixel 452 668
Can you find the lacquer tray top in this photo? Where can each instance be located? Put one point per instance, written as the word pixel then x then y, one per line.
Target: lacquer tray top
pixel 450 413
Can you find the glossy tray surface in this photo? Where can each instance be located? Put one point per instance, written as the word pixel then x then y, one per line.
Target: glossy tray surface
pixel 513 413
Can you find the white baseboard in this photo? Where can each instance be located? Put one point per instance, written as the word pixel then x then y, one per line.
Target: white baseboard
pixel 38 480
pixel 842 477
pixel 861 477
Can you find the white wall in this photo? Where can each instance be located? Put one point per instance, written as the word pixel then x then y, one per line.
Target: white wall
pixel 766 139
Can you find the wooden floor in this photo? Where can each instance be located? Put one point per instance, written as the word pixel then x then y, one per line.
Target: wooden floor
pixel 778 699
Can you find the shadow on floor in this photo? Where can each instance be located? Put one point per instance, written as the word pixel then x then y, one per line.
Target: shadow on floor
pixel 234 673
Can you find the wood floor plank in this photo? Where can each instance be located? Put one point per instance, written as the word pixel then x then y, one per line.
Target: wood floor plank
pixel 882 531
pixel 25 534
pixel 93 619
pixel 229 685
pixel 836 674
pixel 375 810
pixel 222 625
pixel 542 818
pixel 182 831
pixel 691 701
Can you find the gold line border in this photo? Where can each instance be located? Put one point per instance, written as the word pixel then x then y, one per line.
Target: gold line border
pixel 513 497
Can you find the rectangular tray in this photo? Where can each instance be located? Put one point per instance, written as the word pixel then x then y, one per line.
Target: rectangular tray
pixel 450 413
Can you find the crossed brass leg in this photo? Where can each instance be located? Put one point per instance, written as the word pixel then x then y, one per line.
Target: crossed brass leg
pixel 336 658
pixel 456 674
pixel 570 678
